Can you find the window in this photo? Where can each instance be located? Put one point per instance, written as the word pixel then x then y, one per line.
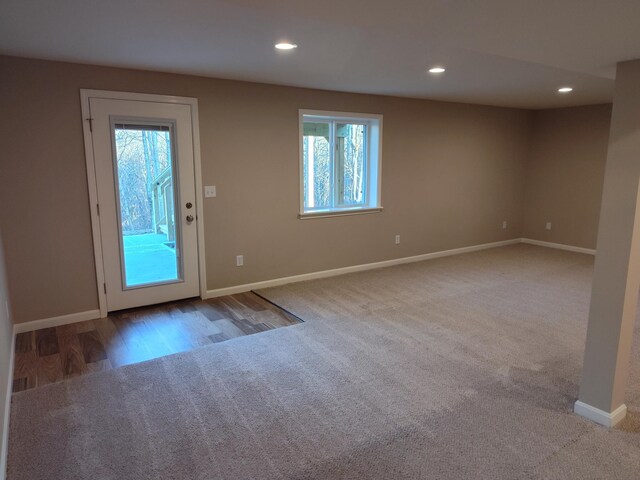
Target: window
pixel 340 163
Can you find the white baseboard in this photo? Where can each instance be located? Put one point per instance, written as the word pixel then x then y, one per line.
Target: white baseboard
pixel 355 268
pixel 559 246
pixel 4 435
pixel 93 314
pixel 600 416
pixel 56 321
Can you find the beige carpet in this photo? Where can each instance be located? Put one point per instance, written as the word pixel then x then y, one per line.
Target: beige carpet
pixel 458 368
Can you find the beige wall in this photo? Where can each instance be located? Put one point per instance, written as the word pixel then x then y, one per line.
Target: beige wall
pixel 451 174
pixel 564 174
pixel 6 337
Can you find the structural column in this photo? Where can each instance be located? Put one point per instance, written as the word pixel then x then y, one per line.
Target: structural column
pixel 616 280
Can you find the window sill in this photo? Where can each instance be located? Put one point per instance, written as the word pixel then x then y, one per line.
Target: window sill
pixel 338 213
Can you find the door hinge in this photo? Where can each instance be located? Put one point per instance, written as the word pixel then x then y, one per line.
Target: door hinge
pixel 98 208
pixel 90 120
pixel 105 288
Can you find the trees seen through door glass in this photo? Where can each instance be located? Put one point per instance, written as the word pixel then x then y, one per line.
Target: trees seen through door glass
pixel 145 182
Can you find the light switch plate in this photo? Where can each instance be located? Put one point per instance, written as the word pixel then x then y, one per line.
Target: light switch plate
pixel 209 191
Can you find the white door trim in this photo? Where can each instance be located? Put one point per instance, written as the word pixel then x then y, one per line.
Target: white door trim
pixel 85 95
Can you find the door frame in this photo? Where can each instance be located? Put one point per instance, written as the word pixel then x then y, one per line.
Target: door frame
pixel 85 95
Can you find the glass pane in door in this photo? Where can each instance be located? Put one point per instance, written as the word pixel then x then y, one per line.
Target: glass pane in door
pixel 145 181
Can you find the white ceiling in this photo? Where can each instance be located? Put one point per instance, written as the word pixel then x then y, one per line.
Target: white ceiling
pixel 498 52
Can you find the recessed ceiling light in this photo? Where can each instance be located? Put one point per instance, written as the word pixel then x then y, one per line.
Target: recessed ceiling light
pixel 565 89
pixel 286 46
pixel 436 70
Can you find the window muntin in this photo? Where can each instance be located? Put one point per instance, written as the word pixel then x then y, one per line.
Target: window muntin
pixel 339 162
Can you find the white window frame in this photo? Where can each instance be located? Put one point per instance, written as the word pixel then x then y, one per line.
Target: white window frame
pixel 373 163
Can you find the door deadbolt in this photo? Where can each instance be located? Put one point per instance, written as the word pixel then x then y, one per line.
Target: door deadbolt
pixel 189 205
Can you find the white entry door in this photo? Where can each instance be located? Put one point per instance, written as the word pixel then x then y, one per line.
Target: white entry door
pixel 144 166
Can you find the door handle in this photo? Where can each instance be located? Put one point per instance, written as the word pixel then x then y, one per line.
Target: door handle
pixel 189 218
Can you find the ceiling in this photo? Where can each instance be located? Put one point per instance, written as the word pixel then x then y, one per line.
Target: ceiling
pixel 512 53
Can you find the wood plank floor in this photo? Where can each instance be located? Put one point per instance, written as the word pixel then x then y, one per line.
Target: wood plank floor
pixel 132 336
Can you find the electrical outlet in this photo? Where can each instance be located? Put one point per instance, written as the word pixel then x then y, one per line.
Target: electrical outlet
pixel 548 226
pixel 239 260
pixel 210 191
pixel 504 224
pixel 397 239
